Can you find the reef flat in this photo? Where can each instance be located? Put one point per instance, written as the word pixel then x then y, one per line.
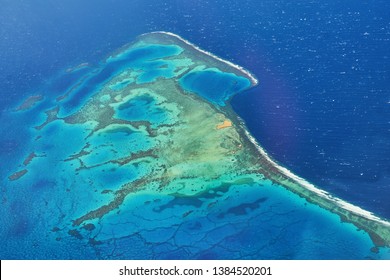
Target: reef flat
pixel 143 157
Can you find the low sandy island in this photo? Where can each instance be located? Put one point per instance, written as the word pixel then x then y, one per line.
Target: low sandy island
pixel 225 124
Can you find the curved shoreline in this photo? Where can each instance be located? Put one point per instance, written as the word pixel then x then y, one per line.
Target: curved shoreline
pixel 239 68
pixel 324 194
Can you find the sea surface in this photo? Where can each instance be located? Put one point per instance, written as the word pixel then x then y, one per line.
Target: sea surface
pixel 322 106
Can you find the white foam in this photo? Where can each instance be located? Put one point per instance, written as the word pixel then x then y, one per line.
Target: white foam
pixel 242 69
pixel 338 202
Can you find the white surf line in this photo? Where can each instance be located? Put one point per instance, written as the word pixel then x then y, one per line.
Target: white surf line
pixel 339 202
pixel 242 69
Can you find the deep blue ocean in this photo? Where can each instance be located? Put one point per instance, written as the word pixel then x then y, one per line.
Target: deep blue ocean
pixel 322 107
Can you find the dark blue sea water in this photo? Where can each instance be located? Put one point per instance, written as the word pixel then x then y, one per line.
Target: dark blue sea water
pixel 322 107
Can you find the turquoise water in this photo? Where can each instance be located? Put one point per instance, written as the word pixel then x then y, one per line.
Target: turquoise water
pixel 142 107
pixel 149 59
